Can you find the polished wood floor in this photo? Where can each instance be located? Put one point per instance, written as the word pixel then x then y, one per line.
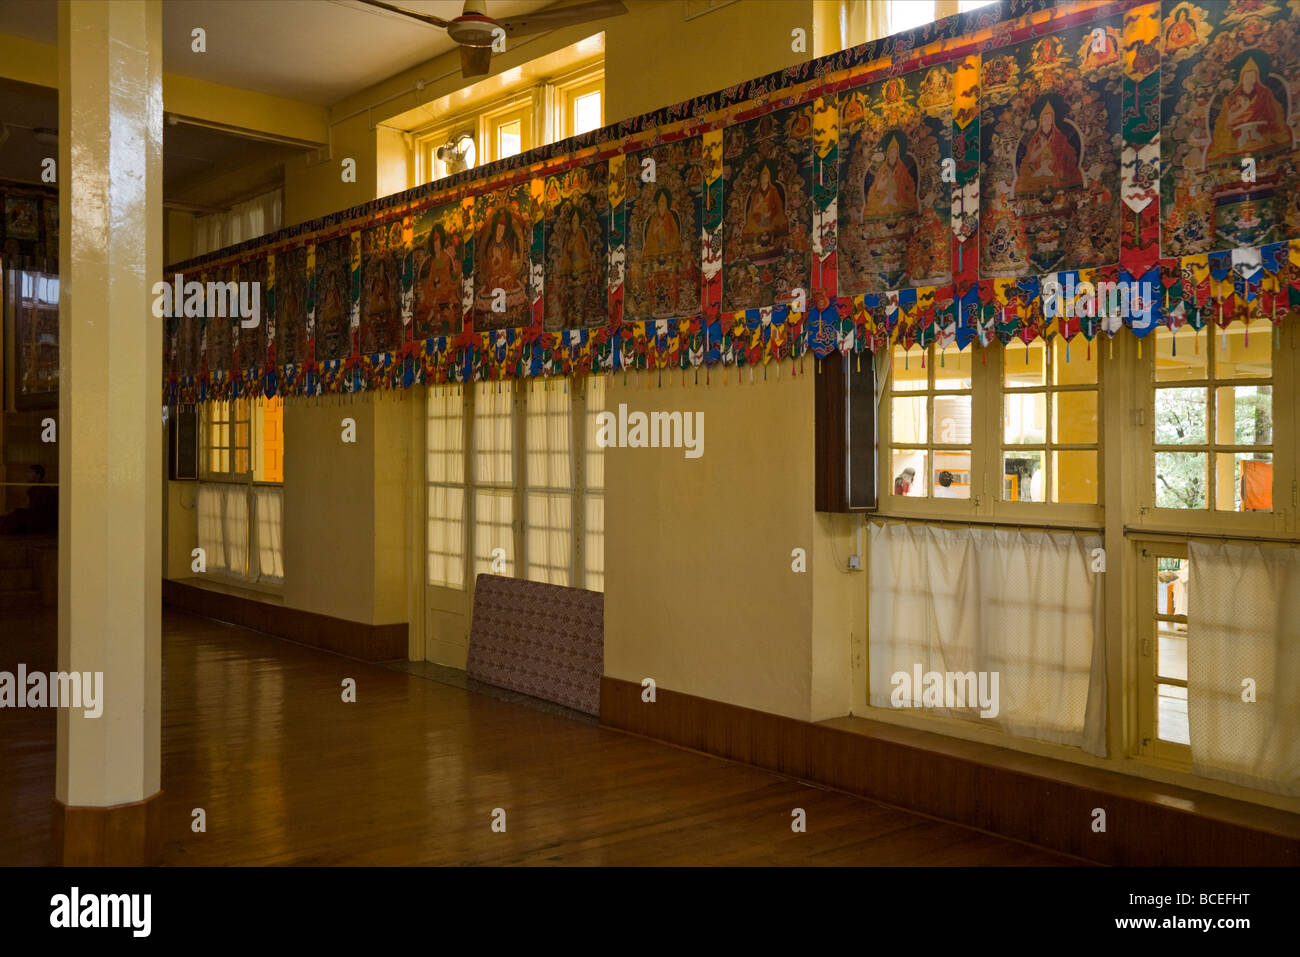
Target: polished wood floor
pixel 255 733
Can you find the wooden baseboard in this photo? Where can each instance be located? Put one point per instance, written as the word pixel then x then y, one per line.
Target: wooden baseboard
pixel 1051 805
pixel 365 642
pixel 123 835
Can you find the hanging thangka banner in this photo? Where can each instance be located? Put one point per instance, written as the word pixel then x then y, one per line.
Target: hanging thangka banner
pixel 441 272
pixel 664 224
pixel 577 232
pixel 942 185
pixel 894 202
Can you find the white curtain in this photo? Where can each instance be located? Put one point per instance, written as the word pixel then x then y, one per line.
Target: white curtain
pixel 269 503
pixel 446 477
pixel 1025 605
pixel 1242 627
pixel 494 475
pixel 212 534
pixel 236 528
pixel 248 220
pixel 840 24
pixel 550 537
pixel 548 448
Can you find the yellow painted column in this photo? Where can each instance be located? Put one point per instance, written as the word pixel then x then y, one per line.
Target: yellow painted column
pixel 110 421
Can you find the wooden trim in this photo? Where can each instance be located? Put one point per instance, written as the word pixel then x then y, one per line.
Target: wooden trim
pixel 122 835
pixel 351 638
pixel 1041 801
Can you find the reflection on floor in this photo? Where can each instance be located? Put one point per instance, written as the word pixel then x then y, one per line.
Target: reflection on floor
pixel 256 733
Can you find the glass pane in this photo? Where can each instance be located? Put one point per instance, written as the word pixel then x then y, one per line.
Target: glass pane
pixel 1171 586
pixel 1022 477
pixel 1245 415
pixel 908 374
pixel 909 419
pixel 494 548
pixel 595 454
pixel 952 420
pixel 1180 480
pixel 586 112
pixel 1076 418
pixel 1181 356
pixel 446 437
pixel 1074 477
pixel 1180 416
pixel 509 140
pixel 952 370
pixel 1243 481
pixel 549 539
pixel 548 438
pixel 1235 359
pixel 594 543
pixel 1025 365
pixel 493 436
pixel 1171 714
pixel 907 14
pixel 1025 419
pixel 909 469
pixel 1073 364
pixel 446 536
pixel 952 474
pixel 1171 653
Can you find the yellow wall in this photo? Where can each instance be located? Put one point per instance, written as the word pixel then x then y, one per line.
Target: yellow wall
pixel 653 57
pixel 699 590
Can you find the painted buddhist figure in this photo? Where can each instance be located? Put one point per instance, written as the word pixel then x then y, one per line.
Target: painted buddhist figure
pixel 1250 119
pixel 1050 161
pixel 439 285
pixel 575 256
pixel 503 257
pixel 891 186
pixel 663 236
pixel 330 323
pixel 766 223
pixel 1181 33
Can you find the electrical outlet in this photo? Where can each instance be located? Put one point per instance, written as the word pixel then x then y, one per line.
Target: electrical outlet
pixel 855 562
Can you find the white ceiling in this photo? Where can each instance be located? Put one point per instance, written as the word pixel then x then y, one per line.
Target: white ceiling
pixel 318 51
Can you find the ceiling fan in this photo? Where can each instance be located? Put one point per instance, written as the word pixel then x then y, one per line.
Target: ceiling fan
pixel 474 30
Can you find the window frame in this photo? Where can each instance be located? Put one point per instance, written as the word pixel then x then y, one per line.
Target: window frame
pixel 247 479
pixel 1146 650
pixel 580 445
pixel 928 505
pixel 1036 513
pixel 1209 521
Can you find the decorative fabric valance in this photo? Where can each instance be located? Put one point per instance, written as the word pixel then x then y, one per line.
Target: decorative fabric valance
pixel 1025 170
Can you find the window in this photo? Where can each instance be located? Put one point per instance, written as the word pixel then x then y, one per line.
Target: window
pixel 1050 416
pixel 1163 701
pixel 445 471
pixel 909 14
pixel 580 103
pixel 494 480
pixel 965 6
pixel 447 151
pixel 548 438
pixel 930 423
pixel 240 499
pixel 1213 420
pixel 593 551
pixel 541 519
pixel 512 124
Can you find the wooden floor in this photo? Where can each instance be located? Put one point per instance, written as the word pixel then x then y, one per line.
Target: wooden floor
pixel 255 733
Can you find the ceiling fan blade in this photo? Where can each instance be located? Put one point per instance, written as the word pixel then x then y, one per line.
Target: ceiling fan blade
pixel 563 17
pixel 422 17
pixel 475 61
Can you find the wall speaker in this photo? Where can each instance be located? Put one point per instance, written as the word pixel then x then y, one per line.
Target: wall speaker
pixel 183 443
pixel 845 430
